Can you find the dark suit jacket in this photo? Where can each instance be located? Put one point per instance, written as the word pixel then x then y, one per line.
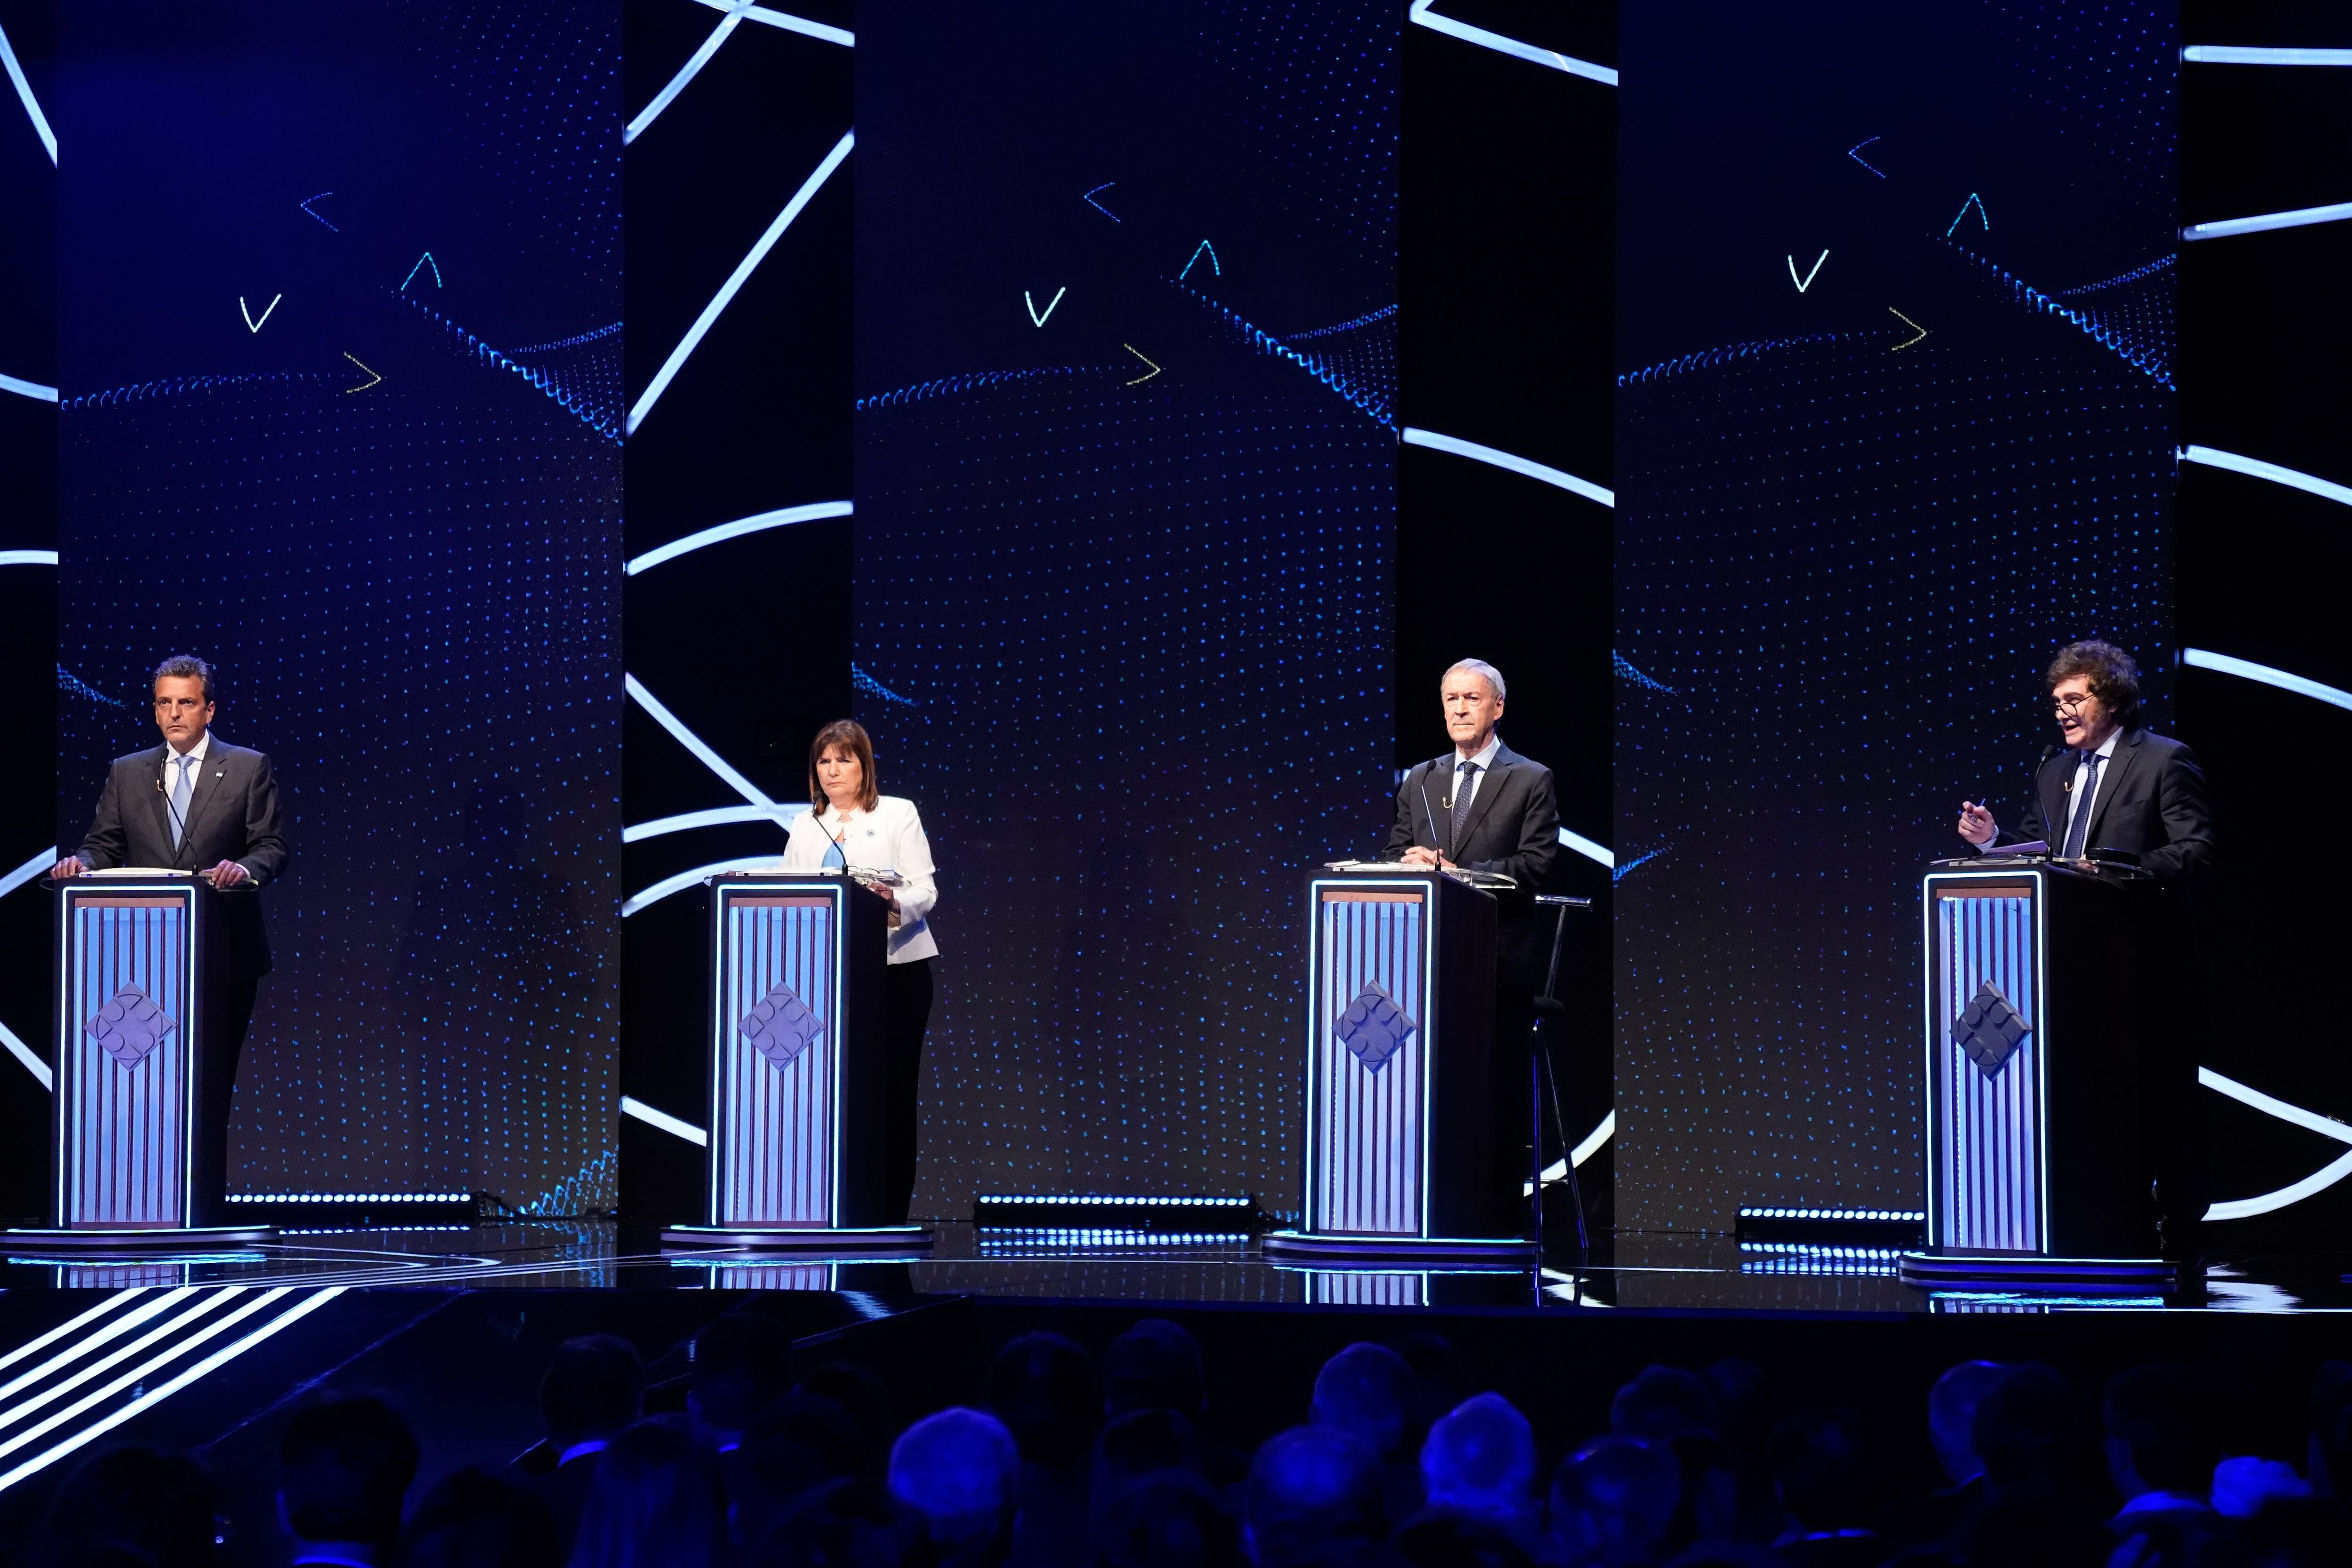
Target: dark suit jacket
pixel 1514 829
pixel 233 815
pixel 2151 801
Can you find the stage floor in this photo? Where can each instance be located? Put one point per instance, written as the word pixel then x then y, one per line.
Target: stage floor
pixel 1673 1271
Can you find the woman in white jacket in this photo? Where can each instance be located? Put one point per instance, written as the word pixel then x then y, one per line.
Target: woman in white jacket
pixel 851 823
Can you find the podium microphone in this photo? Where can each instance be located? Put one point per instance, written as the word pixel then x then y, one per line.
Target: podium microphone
pixel 179 823
pixel 1446 801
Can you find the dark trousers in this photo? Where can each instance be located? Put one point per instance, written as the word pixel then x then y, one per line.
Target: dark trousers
pixel 227 1015
pixel 1507 1093
pixel 906 1013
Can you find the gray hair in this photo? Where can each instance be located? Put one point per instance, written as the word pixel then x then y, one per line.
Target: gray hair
pixel 1481 668
pixel 187 666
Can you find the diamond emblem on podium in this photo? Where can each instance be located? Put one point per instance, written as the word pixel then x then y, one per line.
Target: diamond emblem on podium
pixel 1989 1029
pixel 780 1026
pixel 129 1025
pixel 1374 1027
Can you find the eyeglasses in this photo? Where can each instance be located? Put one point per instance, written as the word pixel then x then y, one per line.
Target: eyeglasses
pixel 2073 703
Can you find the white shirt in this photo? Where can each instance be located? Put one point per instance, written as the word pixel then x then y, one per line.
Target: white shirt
pixel 2085 799
pixel 888 838
pixel 1485 757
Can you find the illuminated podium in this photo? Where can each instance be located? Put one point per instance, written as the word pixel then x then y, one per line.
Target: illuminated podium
pixel 2033 1082
pixel 136 960
pixel 792 1036
pixel 1399 1043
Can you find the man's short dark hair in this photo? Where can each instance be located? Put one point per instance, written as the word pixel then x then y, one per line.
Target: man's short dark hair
pixel 1155 1366
pixel 1042 1388
pixel 2114 678
pixel 2160 1413
pixel 1821 1462
pixel 742 1364
pixel 2024 1430
pixel 595 1387
pixel 343 1467
pixel 184 666
pixel 477 1520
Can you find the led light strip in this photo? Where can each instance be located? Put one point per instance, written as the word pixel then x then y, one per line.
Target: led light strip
pixel 695 62
pixel 686 879
pixel 32 107
pixel 163 1391
pixel 665 1121
pixel 2301 217
pixel 2254 467
pixel 736 529
pixel 28 558
pixel 2246 669
pixel 719 816
pixel 120 1297
pixel 119 1326
pixel 1421 13
pixel 692 742
pixel 789 23
pixel 1502 459
pixel 207 1302
pixel 2241 55
pixel 34 390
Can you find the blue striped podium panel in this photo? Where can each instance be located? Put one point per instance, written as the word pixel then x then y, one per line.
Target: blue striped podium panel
pixel 127 1034
pixel 1399 1041
pixel 2033 1065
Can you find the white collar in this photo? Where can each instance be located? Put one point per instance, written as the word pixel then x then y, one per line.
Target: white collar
pixel 1484 757
pixel 2106 751
pixel 204 744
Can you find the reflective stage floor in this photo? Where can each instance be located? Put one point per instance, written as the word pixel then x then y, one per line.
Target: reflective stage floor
pixel 1640 1270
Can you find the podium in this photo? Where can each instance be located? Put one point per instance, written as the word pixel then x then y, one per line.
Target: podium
pixel 2036 1174
pixel 1396 1134
pixel 792 1042
pixel 136 959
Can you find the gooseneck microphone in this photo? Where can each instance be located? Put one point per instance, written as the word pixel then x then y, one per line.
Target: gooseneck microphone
pixel 179 823
pixel 1446 800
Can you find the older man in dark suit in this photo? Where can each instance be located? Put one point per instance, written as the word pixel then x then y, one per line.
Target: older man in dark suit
pixel 196 803
pixel 1482 806
pixel 2114 784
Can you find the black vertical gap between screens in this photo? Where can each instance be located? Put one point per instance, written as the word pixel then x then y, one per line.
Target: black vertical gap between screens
pixel 747 642
pixel 2264 331
pixel 28 594
pixel 1506 294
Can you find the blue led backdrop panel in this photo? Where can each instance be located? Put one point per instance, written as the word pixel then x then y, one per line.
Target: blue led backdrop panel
pixel 1125 489
pixel 1895 420
pixel 342 416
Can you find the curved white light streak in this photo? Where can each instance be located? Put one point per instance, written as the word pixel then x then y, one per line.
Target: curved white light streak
pixel 2241 55
pixel 1502 459
pixel 686 879
pixel 32 106
pixel 34 390
pixel 2319 1180
pixel 789 23
pixel 27 872
pixel 665 1121
pixel 120 1298
pixel 735 280
pixel 2246 669
pixel 692 742
pixel 24 1053
pixel 1421 13
pixel 2335 213
pixel 2294 479
pixel 695 62
pixel 164 1390
pixel 780 815
pixel 1588 849
pixel 1558 1169
pixel 28 558
pixel 736 530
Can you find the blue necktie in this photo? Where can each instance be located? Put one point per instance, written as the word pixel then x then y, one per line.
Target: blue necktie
pixel 832 855
pixel 180 788
pixel 2086 789
pixel 1465 779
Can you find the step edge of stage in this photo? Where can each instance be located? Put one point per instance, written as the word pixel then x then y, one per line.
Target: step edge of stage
pixel 165 1238
pixel 1995 1270
pixel 1339 1246
pixel 895 1240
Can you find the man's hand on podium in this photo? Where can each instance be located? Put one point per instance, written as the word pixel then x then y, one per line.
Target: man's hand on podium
pixel 69 866
pixel 228 873
pixel 1420 856
pixel 1975 824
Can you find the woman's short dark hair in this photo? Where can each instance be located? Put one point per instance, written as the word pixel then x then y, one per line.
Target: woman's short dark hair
pixel 851 736
pixel 186 667
pixel 2115 679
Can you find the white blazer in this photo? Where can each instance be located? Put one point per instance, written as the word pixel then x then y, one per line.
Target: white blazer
pixel 888 838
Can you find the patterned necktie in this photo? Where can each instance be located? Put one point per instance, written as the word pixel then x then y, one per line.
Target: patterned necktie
pixel 1465 779
pixel 2086 790
pixel 180 788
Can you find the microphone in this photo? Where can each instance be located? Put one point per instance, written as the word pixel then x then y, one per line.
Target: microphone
pixel 179 823
pixel 1446 800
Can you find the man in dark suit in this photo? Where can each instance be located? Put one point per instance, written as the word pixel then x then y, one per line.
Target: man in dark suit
pixel 2113 784
pixel 1482 806
pixel 196 803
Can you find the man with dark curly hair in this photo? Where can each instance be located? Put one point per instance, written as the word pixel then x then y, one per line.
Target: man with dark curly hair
pixel 2111 784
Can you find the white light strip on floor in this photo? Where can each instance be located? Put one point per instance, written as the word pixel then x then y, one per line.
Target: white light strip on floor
pixel 2294 479
pixel 163 1391
pixel 717 817
pixel 2199 658
pixel 206 1301
pixel 119 1326
pixel 686 879
pixel 119 1297
pixel 1421 13
pixel 156 1362
pixel 736 530
pixel 736 280
pixel 2241 55
pixel 1502 459
pixel 665 1121
pixel 2301 217
pixel 2317 1181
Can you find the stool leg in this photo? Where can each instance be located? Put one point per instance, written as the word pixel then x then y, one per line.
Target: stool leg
pixel 1567 1153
